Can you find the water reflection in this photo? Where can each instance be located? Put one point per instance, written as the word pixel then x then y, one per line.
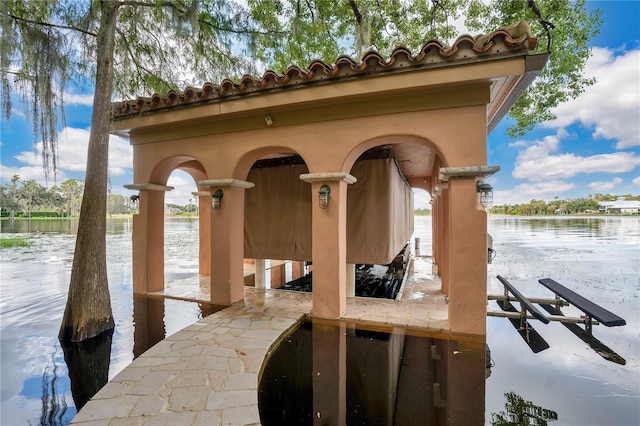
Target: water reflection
pixel 54 403
pixel 63 226
pixel 601 262
pixel 574 378
pixel 519 412
pixel 88 366
pixel 148 320
pixel 150 316
pixel 40 382
pixel 334 373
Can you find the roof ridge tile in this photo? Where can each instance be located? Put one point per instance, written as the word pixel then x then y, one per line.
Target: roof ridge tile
pixel 514 38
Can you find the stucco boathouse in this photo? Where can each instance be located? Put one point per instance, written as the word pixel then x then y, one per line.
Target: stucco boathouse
pixel 317 165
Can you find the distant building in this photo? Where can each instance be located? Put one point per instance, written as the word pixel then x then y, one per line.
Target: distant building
pixel 620 206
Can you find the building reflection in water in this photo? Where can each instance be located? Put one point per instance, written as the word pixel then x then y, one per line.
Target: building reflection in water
pixel 333 373
pixel 151 321
pixel 148 323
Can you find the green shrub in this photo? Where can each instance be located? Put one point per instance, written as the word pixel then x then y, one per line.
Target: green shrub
pixel 45 214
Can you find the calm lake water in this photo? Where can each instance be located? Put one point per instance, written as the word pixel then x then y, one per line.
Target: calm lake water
pixel 597 257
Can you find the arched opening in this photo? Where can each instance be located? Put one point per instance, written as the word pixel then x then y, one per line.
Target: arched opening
pixel 181 226
pixel 277 226
pixel 382 241
pixel 379 224
pixel 170 214
pixel 422 223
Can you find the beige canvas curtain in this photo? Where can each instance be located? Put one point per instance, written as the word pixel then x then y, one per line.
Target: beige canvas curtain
pixel 379 212
pixel 277 222
pixel 278 213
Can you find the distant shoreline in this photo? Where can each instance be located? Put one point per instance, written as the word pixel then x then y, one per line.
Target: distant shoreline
pixel 554 216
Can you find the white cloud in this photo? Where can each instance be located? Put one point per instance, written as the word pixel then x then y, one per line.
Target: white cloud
pixel 120 156
pixel 601 186
pixel 518 144
pixel 184 185
pixel 76 99
pixel 636 181
pixel 537 163
pixel 525 192
pixel 71 158
pixel 29 172
pixel 612 105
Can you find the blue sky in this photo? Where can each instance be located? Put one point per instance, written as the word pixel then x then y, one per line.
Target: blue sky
pixel 593 146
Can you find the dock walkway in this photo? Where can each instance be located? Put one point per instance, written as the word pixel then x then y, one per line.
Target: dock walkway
pixel 207 373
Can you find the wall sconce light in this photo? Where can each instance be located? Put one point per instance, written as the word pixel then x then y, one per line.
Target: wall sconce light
pixel 324 196
pixel 215 199
pixel 134 201
pixel 486 193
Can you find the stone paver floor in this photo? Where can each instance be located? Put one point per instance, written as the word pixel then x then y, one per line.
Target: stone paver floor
pixel 207 373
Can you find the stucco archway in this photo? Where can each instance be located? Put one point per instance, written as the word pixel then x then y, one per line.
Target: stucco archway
pixel 451 97
pixel 148 264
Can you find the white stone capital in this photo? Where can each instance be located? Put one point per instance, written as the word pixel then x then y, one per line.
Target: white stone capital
pixel 467 171
pixel 148 186
pixel 328 177
pixel 226 183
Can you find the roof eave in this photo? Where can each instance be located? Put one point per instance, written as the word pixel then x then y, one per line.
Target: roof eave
pixel 502 104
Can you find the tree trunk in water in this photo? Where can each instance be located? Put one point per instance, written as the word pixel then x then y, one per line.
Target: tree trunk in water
pixel 88 310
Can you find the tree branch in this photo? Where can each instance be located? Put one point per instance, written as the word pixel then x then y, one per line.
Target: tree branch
pixel 50 25
pixel 19 74
pixel 136 3
pixel 139 65
pixel 144 4
pixel 548 26
pixel 241 32
pixel 356 12
pixel 313 18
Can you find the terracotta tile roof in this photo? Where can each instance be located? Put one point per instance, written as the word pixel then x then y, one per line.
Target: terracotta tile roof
pixel 509 41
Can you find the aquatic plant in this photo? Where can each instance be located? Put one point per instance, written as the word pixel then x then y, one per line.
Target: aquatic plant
pixel 15 242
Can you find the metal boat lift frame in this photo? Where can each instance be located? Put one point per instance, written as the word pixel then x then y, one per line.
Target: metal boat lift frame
pixel 593 315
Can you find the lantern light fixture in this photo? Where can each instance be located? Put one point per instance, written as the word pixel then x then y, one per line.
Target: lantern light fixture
pixel 324 196
pixel 486 193
pixel 134 202
pixel 215 199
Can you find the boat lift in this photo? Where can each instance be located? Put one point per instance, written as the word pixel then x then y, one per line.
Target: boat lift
pixel 593 315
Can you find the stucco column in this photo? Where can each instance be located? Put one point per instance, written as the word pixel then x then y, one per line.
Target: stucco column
pixel 439 222
pixel 351 279
pixel 227 241
pixel 467 260
pixel 204 232
pixel 297 269
pixel 443 264
pixel 260 273
pixel 467 266
pixel 436 234
pixel 148 238
pixel 329 239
